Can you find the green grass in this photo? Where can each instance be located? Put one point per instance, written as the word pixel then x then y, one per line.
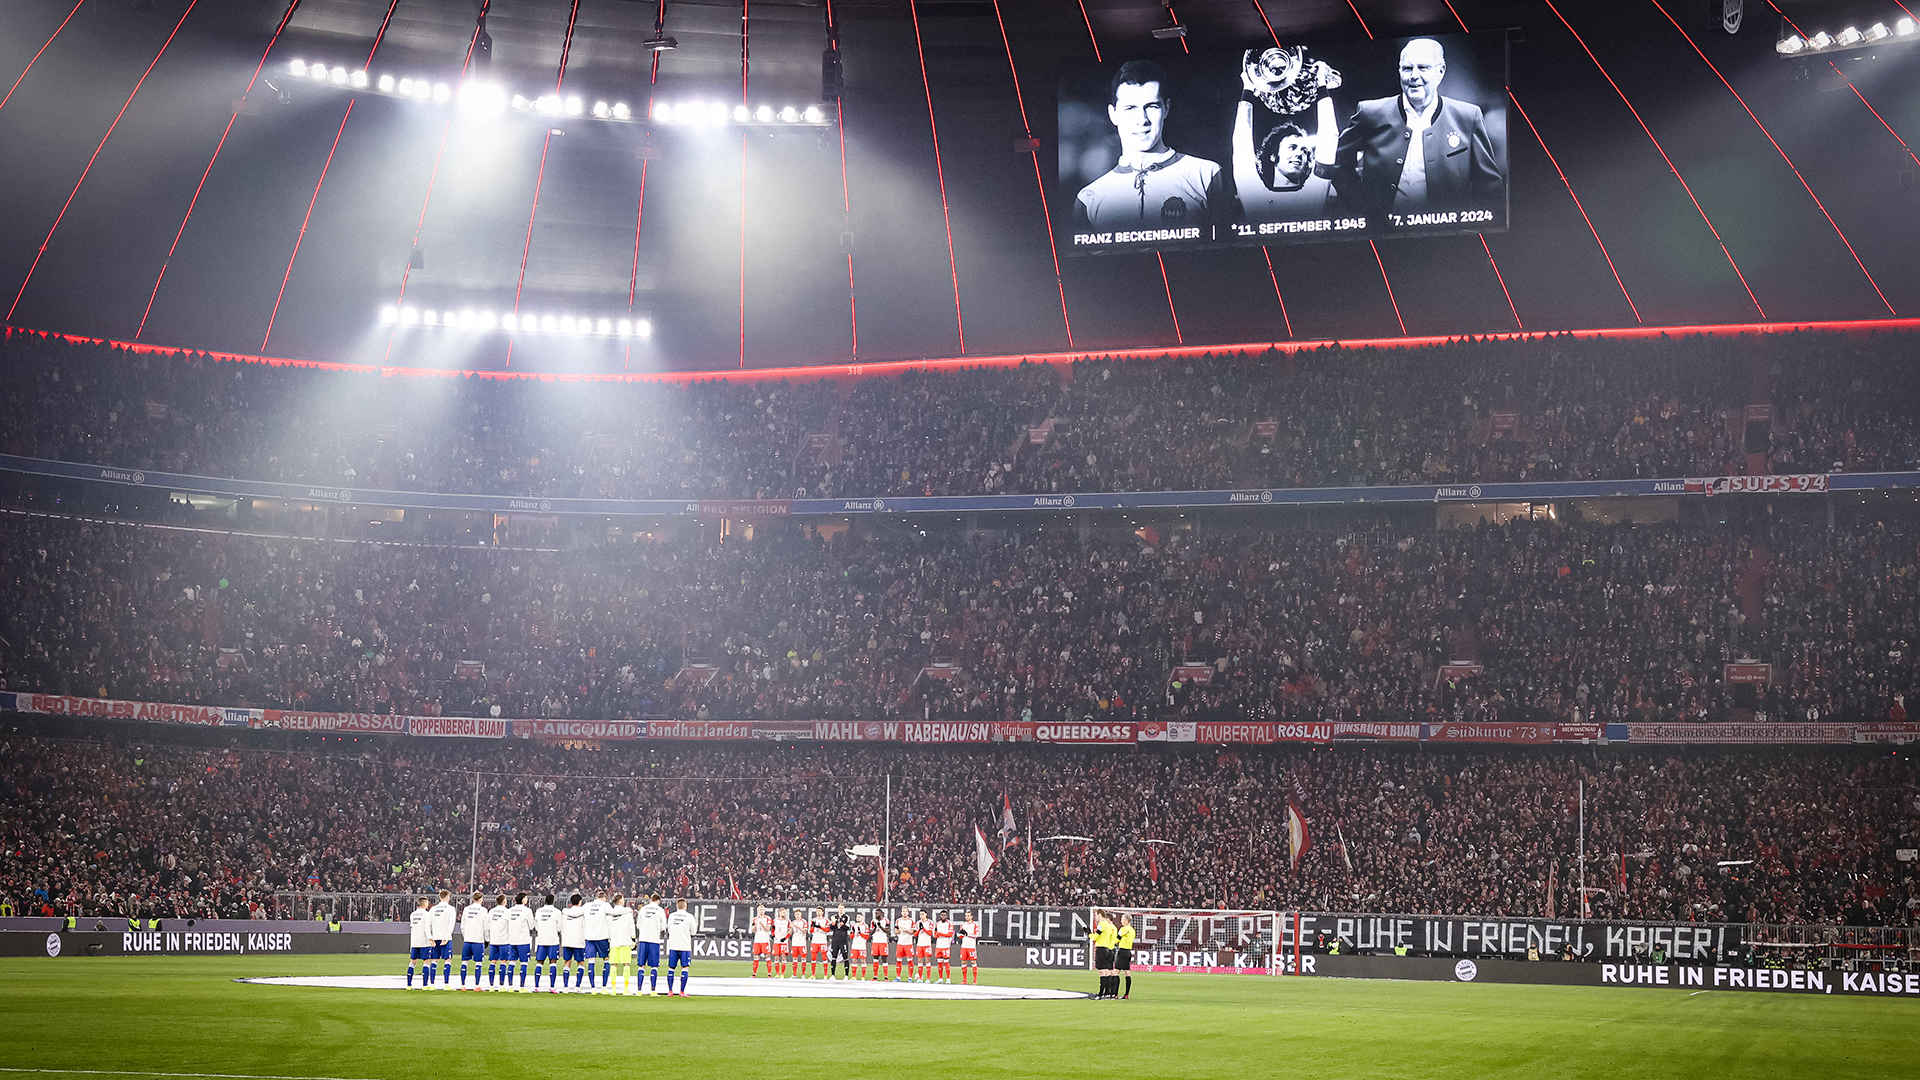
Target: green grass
pixel 188 1016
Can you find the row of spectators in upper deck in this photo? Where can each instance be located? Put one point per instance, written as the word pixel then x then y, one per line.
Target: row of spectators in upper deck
pixel 1480 411
pixel 176 830
pixel 1570 622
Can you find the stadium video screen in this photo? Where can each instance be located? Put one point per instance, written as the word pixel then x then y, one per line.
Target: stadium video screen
pixel 1290 144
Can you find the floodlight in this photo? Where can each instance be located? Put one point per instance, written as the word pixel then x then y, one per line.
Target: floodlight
pixel 409 315
pixel 620 110
pixel 790 114
pixel 297 68
pixel 574 106
pixel 389 314
pixel 386 84
pixel 358 79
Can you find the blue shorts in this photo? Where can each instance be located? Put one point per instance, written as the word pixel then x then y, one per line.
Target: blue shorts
pixel 600 950
pixel 473 950
pixel 499 952
pixel 545 953
pixel 443 951
pixel 571 954
pixel 679 958
pixel 420 953
pixel 519 952
pixel 646 954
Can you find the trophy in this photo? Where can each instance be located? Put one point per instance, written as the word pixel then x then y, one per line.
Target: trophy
pixel 1284 80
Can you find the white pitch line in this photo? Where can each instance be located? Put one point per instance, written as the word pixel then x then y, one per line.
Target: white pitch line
pixel 198 1075
pixel 205 1076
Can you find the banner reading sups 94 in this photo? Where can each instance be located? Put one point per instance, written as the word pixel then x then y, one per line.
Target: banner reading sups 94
pixel 1285 144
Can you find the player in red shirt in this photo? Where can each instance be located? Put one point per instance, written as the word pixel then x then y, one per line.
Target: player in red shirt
pixel 969 949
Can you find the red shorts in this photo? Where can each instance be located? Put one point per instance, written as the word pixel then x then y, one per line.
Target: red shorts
pixel 761 948
pixel 819 950
pixel 969 956
pixel 926 952
pixel 781 948
pixel 859 953
pixel 942 954
pixel 879 950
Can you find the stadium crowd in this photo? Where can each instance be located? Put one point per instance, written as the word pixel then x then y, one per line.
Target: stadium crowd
pixel 123 820
pixel 1569 623
pixel 1543 409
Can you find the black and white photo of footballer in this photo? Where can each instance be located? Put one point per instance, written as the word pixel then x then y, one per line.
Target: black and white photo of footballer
pixel 1152 185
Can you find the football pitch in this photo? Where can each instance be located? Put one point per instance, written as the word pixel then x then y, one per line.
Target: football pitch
pixel 144 1016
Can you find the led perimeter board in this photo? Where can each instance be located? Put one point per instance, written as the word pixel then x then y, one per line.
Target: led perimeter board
pixel 1284 144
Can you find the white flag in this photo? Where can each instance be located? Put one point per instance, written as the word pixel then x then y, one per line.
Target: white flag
pixel 871 851
pixel 982 854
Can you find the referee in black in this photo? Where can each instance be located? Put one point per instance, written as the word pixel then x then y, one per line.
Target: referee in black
pixel 1104 938
pixel 1123 954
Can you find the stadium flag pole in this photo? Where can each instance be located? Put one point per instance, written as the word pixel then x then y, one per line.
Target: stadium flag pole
pixel 473 854
pixel 1582 849
pixel 886 852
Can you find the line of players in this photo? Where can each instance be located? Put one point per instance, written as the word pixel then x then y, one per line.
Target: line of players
pixel 506 942
pixel 812 944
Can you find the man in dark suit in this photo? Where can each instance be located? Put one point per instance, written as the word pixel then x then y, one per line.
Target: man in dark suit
pixel 1418 152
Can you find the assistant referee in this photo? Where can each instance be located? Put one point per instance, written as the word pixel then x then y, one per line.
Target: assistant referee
pixel 1104 937
pixel 1123 954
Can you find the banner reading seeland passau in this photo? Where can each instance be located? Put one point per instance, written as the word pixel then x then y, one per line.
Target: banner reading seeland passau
pixel 1544 491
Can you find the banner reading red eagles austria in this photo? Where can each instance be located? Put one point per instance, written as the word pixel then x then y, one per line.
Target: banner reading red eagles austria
pixel 203 715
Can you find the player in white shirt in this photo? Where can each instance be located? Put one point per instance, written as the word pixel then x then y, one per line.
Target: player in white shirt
pixel 817 962
pixel 903 943
pixel 522 927
pixel 650 930
pixel 679 946
pixel 781 928
pixel 442 917
pixel 499 953
pixel 573 945
pixel 969 949
pixel 546 945
pixel 880 943
pixel 420 945
pixel 857 969
pixel 923 945
pixel 943 946
pixel 620 939
pixel 597 947
pixel 762 941
pixel 473 939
